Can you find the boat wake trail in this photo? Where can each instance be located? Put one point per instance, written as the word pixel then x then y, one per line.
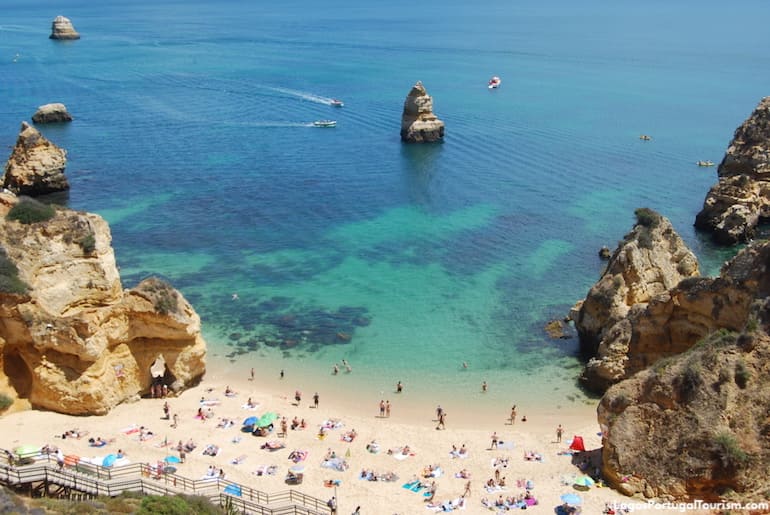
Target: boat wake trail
pixel 310 97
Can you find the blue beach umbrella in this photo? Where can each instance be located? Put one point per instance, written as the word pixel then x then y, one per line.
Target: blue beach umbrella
pixel 172 459
pixel 109 460
pixel 572 499
pixel 250 421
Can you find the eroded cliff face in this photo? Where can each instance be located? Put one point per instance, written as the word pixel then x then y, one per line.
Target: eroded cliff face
pixel 741 199
pixel 650 260
pixel 418 123
pixel 75 341
pixel 696 425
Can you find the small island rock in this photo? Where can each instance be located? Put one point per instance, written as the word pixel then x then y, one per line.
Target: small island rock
pixel 62 28
pixel 418 123
pixel 36 166
pixel 52 113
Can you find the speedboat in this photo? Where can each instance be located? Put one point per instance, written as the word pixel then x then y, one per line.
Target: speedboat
pixel 494 82
pixel 705 163
pixel 336 103
pixel 324 123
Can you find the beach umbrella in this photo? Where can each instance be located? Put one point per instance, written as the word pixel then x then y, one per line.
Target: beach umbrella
pixel 25 451
pixel 168 469
pixel 572 499
pixel 250 421
pixel 109 460
pixel 172 459
pixel 585 481
pixel 298 468
pixel 267 419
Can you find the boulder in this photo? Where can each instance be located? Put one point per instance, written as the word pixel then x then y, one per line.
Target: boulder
pixel 649 261
pixel 418 123
pixel 36 166
pixel 72 339
pixel 52 113
pixel 62 28
pixel 741 199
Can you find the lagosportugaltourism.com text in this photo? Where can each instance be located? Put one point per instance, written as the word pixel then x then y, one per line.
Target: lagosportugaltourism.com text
pixel 683 507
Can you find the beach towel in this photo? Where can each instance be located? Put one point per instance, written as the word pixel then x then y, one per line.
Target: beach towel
pixel 238 460
pixel 253 407
pixel 133 428
pixel 508 444
pixel 210 402
pixel 266 470
pixel 410 485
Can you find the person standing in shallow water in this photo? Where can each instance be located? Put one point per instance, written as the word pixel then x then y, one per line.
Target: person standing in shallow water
pixel 399 387
pixel 559 433
pixel 315 399
pixel 382 408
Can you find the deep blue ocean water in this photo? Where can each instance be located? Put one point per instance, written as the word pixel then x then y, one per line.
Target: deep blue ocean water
pixel 193 137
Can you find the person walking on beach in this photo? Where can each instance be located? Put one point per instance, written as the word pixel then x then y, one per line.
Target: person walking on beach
pixel 382 408
pixel 494 441
pixel 559 432
pixel 439 411
pixel 176 421
pixel 484 386
pixel 513 414
pixel 298 396
pixel 315 400
pixel 432 492
pixel 332 504
pixel 441 420
pixel 281 373
pixel 166 411
pixel 387 409
pixel 252 375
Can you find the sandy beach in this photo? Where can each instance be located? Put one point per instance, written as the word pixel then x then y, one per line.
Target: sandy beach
pixel 549 476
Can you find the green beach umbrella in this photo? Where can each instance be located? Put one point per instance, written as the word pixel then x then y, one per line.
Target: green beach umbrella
pixel 267 419
pixel 25 451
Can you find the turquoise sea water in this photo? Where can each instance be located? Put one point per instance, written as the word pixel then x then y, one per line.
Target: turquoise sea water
pixel 193 137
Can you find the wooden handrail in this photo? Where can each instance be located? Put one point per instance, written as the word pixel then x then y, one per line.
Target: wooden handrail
pixel 111 481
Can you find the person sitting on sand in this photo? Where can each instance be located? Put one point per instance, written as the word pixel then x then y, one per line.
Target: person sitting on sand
pixel 302 424
pixel 229 392
pixel 250 404
pixel 373 447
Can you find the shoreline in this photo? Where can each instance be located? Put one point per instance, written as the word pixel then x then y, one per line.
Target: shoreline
pixel 408 425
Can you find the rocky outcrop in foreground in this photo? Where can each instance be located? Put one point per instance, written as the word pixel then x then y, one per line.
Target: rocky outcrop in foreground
pixel 418 123
pixel 62 28
pixel 36 166
pixel 741 199
pixel 649 261
pixel 71 338
pixel 52 113
pixel 697 425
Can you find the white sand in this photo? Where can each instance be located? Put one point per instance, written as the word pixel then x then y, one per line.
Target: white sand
pixel 429 445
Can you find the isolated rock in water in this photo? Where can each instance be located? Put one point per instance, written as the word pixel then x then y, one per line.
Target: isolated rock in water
pixel 418 123
pixel 62 28
pixel 36 166
pixel 52 113
pixel 741 199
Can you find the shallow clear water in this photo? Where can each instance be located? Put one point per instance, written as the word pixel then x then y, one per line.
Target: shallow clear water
pixel 193 137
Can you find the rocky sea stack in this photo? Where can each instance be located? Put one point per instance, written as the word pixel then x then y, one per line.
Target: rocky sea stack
pixel 418 123
pixel 650 260
pixel 72 339
pixel 741 199
pixel 52 113
pixel 62 28
pixel 36 166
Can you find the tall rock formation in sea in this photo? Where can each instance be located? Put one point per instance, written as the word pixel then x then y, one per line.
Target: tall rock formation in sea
pixel 62 28
pixel 649 261
pixel 418 123
pixel 71 338
pixel 52 113
pixel 36 166
pixel 697 424
pixel 741 199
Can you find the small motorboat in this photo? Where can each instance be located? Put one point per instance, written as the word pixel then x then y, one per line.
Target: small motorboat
pixel 645 137
pixel 324 123
pixel 705 163
pixel 494 82
pixel 336 103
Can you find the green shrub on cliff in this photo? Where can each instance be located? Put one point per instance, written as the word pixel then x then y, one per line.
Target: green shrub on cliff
pixel 177 505
pixel 5 402
pixel 729 452
pixel 647 217
pixel 9 276
pixel 163 295
pixel 30 211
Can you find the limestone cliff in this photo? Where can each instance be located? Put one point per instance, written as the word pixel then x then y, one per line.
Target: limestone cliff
pixel 71 339
pixel 36 166
pixel 741 199
pixel 62 28
pixel 52 113
pixel 418 123
pixel 649 261
pixel 697 425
